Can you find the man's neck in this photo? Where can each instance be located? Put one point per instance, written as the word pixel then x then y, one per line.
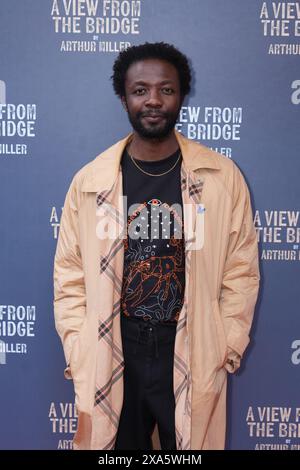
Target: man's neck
pixel 152 149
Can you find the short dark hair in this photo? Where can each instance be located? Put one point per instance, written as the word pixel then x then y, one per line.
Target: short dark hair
pixel 157 50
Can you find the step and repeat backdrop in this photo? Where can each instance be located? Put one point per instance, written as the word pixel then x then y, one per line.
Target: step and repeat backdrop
pixel 58 111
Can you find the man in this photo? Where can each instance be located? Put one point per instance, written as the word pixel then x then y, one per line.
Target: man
pixel 154 304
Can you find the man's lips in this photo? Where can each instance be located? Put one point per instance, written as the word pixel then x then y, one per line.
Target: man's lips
pixel 153 117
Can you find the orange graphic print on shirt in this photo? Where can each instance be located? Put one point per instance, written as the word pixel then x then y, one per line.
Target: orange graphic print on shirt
pixel 153 284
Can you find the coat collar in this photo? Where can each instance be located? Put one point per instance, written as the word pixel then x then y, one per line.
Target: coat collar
pixel 103 171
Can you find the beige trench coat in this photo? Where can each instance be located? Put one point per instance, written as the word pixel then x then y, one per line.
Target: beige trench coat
pixel 222 279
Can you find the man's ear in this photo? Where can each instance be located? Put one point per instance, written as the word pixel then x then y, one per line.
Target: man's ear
pixel 124 103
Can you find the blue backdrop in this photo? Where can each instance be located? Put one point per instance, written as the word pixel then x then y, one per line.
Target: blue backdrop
pixel 58 111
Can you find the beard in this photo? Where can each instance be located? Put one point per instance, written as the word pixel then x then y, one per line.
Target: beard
pixel 153 130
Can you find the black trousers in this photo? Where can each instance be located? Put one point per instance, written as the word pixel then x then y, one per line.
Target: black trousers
pixel 148 385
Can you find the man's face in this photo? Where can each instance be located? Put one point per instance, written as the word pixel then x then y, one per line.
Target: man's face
pixel 152 97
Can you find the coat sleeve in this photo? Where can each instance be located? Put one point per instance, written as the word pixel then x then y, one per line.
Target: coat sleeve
pixel 240 281
pixel 69 285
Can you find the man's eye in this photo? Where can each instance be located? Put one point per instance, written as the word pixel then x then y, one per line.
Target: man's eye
pixel 168 91
pixel 140 91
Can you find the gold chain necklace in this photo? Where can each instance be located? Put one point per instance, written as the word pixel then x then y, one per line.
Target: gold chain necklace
pixel 152 174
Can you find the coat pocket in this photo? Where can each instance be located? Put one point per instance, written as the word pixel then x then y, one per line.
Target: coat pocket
pixel 78 348
pixel 220 337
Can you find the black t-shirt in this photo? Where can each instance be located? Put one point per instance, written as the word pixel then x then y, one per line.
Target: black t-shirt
pixel 154 263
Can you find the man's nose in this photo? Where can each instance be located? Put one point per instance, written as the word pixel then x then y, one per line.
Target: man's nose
pixel 154 99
